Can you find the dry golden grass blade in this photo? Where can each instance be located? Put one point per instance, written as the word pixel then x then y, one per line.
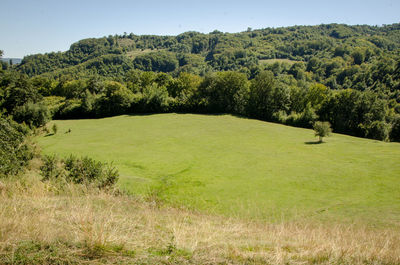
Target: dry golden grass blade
pixel 99 227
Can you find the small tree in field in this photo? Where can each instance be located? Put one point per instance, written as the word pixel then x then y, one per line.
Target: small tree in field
pixel 54 128
pixel 322 129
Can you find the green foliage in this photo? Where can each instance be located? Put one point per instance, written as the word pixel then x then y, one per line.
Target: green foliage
pixel 34 114
pixel 154 99
pixel 186 83
pixel 157 61
pixel 19 98
pixel 354 112
pixel 51 167
pixel 358 57
pixel 88 102
pixel 184 89
pixel 15 153
pixel 303 119
pixel 53 103
pixel 70 89
pixel 395 132
pixel 316 95
pixel 322 129
pixel 341 31
pixel 79 171
pixel 17 90
pixel 116 99
pixel 54 128
pixel 267 96
pixel 225 92
pixel 86 170
pixel 43 85
pixel 377 129
pixel 272 95
pixel 69 109
pixel 200 53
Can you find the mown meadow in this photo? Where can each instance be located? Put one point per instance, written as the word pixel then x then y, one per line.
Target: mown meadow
pixel 241 167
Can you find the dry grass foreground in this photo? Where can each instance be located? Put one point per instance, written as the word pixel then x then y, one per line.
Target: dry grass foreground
pixel 43 224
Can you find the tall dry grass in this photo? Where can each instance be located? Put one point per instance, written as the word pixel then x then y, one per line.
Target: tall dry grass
pixel 41 223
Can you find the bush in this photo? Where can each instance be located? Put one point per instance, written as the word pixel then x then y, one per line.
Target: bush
pixel 115 100
pixel 54 103
pixel 69 110
pixel 15 153
pixel 154 99
pixel 322 129
pixel 304 119
pixel 395 132
pixel 79 171
pixel 51 167
pixel 378 130
pixel 54 128
pixel 34 114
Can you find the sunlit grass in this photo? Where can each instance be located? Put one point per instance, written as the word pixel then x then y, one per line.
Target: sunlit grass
pixel 43 224
pixel 242 167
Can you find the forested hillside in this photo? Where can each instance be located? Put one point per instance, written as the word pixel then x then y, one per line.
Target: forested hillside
pixel 248 51
pixel 347 75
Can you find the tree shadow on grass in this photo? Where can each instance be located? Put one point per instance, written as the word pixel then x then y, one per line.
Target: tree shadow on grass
pixel 314 142
pixel 49 134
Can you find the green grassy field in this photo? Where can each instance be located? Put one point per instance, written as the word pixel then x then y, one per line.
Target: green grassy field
pixel 242 167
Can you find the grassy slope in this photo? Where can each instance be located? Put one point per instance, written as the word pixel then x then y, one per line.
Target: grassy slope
pixel 48 223
pixel 242 167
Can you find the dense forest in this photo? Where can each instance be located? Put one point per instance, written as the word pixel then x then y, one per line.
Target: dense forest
pixel 347 75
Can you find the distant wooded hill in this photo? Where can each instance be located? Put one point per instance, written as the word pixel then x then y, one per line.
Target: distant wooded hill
pixel 322 49
pixel 12 60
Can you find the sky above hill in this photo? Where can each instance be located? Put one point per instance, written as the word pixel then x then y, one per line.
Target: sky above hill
pixel 40 26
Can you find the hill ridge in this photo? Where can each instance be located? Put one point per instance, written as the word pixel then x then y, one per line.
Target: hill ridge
pixel 216 51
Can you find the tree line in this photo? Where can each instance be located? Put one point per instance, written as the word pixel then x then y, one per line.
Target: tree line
pixel 270 97
pixel 346 75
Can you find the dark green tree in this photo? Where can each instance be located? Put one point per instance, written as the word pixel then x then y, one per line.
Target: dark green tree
pixel 267 96
pixel 225 92
pixel 116 99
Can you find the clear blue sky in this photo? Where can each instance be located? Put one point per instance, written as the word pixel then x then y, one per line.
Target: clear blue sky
pixel 39 26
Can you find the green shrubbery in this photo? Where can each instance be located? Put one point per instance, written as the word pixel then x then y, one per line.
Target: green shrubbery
pixel 322 129
pixel 19 98
pixel 35 114
pixel 79 171
pixel 303 119
pixel 15 153
pixel 54 128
